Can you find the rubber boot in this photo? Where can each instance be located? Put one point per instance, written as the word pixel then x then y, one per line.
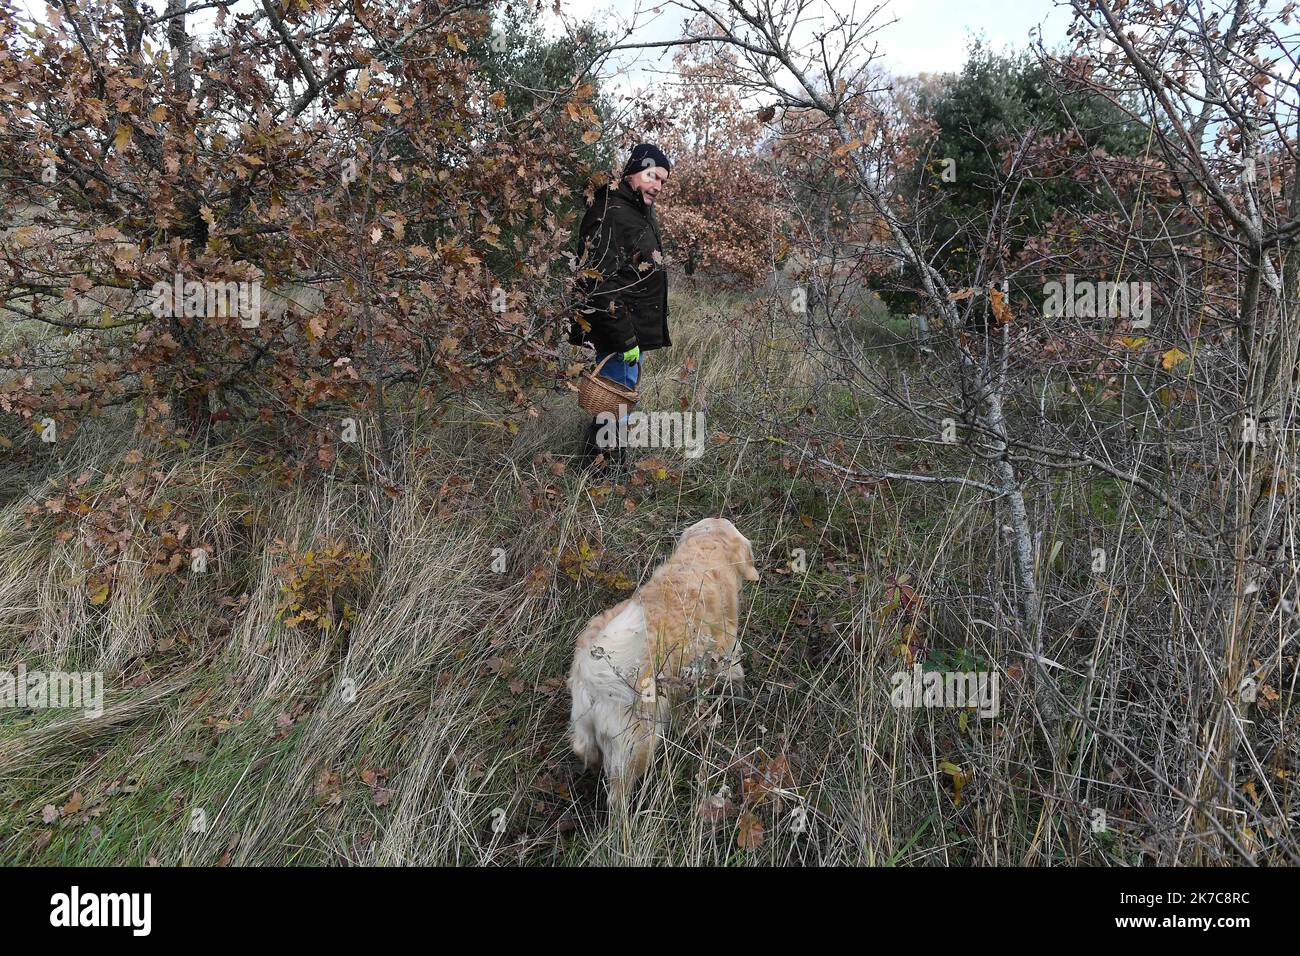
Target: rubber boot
pixel 591 449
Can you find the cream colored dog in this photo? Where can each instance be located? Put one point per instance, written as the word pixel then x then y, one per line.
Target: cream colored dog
pixel 631 660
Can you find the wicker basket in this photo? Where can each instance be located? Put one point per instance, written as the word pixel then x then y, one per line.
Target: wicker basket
pixel 596 394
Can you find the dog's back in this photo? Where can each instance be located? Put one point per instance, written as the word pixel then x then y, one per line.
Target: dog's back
pixel 692 606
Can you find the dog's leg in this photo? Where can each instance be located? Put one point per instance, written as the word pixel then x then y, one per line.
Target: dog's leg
pixel 642 755
pixel 619 791
pixel 632 752
pixel 730 667
pixel 736 672
pixel 647 725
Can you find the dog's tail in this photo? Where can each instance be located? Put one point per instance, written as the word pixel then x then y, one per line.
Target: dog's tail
pixel 602 683
pixel 581 725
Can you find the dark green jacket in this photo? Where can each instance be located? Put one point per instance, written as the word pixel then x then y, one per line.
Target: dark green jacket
pixel 628 304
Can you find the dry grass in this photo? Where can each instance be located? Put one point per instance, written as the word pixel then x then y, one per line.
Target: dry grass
pixel 433 731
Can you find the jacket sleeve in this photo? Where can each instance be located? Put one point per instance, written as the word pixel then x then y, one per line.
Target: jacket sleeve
pixel 607 252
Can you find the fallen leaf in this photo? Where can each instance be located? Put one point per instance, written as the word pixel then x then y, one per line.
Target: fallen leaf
pixel 715 808
pixel 959 779
pixel 749 836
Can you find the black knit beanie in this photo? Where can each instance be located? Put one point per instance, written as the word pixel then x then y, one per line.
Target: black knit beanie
pixel 645 155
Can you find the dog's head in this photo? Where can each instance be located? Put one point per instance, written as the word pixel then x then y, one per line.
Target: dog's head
pixel 736 544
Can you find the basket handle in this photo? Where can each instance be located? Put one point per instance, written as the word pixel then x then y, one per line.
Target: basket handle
pixel 602 362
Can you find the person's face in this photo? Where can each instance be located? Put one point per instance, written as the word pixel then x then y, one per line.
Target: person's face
pixel 649 182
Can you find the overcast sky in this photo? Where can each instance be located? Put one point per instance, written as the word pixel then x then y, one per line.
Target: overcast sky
pixel 929 36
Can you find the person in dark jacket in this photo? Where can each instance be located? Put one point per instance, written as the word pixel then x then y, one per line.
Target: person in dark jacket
pixel 624 311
